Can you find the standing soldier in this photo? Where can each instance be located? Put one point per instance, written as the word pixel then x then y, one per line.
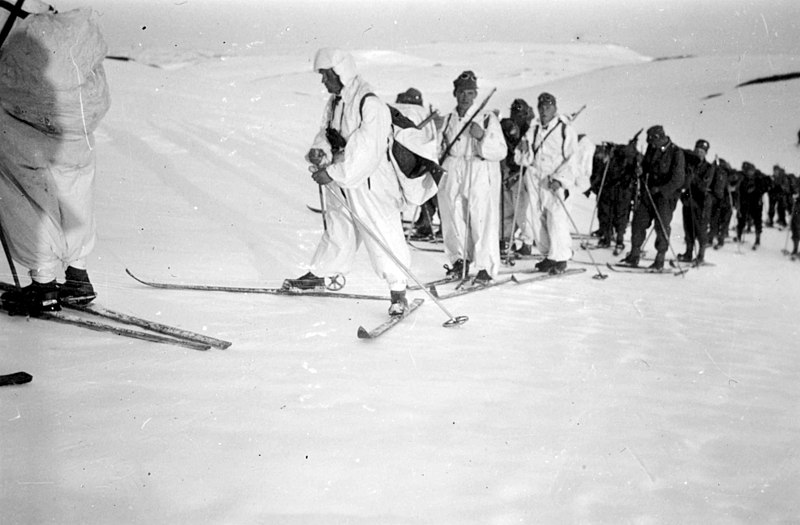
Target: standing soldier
pixel 469 194
pixel 720 201
pixel 794 184
pixel 53 95
pixel 549 148
pixel 515 197
pixel 696 205
pixel 750 207
pixel 663 170
pixel 779 195
pixel 410 104
pixel 349 155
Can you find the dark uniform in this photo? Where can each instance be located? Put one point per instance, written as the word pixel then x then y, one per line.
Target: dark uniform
pixel 695 200
pixel 614 176
pixel 514 128
pixel 750 206
pixel 794 184
pixel 663 172
pixel 780 195
pixel 720 204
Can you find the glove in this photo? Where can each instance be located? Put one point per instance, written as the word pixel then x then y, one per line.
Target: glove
pixel 321 177
pixel 476 131
pixel 316 156
pixel 554 184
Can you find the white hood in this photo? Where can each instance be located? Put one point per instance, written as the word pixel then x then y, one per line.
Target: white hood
pixel 340 61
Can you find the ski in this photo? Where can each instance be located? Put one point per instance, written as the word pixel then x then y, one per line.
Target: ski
pixel 17 378
pixel 463 290
pixel 162 333
pixel 425 249
pixel 81 322
pixel 623 268
pixel 432 284
pixel 152 326
pixel 544 276
pixel 381 329
pixel 693 264
pixel 270 291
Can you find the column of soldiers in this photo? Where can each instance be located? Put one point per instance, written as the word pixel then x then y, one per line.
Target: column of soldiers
pixel 650 186
pixel 640 190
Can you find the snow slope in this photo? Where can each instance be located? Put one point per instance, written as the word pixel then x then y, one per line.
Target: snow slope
pixel 635 399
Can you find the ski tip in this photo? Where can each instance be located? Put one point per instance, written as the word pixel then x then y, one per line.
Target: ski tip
pixel 363 333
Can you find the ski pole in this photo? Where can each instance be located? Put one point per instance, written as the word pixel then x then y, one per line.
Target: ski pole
pixel 520 181
pixel 585 244
pixel 324 211
pixel 681 271
pixel 452 321
pixel 467 230
pixel 8 256
pixel 600 275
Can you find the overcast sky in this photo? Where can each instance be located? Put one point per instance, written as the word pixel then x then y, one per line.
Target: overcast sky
pixel 653 28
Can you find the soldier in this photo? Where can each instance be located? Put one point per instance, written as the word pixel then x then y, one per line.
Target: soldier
pixel 349 155
pixel 696 205
pixel 469 193
pixel 550 148
pixel 779 196
pixel 514 128
pixel 720 204
pixel 750 206
pixel 410 104
pixel 663 172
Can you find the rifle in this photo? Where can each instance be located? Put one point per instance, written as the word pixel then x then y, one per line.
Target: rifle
pixel 427 119
pixel 466 124
pixel 574 115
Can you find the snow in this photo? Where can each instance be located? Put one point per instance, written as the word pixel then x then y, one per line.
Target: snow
pixel 635 399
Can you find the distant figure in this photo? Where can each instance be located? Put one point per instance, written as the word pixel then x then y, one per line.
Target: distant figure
pixel 695 203
pixel 53 94
pixel 614 173
pixel 663 174
pixel 551 150
pixel 410 104
pixel 752 187
pixel 794 222
pixel 720 197
pixel 469 193
pixel 349 154
pixel 514 128
pixel 780 196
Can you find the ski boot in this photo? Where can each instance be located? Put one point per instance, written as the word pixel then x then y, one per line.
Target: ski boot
pixel 399 304
pixel 32 300
pixel 544 265
pixel 459 268
pixel 658 264
pixel 308 281
pixel 482 279
pixel 77 289
pixel 558 267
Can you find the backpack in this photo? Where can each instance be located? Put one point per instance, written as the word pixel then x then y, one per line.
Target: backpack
pixel 411 164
